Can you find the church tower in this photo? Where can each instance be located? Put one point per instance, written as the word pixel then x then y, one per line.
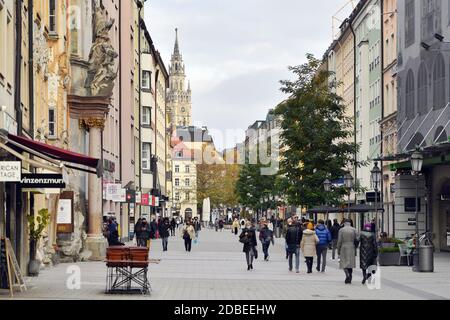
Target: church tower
pixel 179 98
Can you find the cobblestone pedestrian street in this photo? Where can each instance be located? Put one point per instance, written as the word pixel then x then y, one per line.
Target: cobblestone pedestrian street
pixel 216 270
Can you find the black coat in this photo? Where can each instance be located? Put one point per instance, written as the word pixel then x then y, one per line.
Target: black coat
pixel 368 250
pixel 335 231
pixel 294 235
pixel 153 229
pixel 145 231
pixel 164 229
pixel 251 234
pixel 138 229
pixel 266 235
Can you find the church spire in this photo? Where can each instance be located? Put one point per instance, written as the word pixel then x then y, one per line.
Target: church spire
pixel 176 50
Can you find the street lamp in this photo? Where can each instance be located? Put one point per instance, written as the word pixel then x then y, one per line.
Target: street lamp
pixel 348 181
pixel 375 179
pixel 416 165
pixel 327 187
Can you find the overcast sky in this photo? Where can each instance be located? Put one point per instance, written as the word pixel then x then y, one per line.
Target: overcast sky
pixel 237 51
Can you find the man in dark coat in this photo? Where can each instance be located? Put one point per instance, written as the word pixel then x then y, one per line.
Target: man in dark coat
pixel 153 229
pixel 164 228
pixel 144 235
pixel 173 225
pixel 266 237
pixel 334 238
pixel 293 239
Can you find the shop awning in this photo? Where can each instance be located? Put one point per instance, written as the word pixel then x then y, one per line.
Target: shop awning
pixel 48 152
pixel 324 209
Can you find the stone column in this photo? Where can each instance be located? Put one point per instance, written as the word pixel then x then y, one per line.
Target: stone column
pixel 95 241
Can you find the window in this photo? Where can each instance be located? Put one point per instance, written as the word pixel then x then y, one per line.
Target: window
pixel 146 115
pixel 177 169
pixel 146 80
pixel 187 196
pixel 422 98
pixel 410 107
pixel 187 169
pixel 146 150
pixel 409 25
pixel 187 182
pixel 52 123
pixel 439 83
pixel 177 182
pixel 177 196
pixel 52 16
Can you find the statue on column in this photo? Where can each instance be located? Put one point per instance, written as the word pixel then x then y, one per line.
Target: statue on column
pixel 101 72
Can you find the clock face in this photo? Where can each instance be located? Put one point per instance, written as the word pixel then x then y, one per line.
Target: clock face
pixel 183 109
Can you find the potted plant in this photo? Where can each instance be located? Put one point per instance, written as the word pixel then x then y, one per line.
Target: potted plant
pixel 389 252
pixel 37 226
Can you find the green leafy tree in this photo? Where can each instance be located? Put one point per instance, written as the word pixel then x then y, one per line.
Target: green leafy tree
pixel 316 136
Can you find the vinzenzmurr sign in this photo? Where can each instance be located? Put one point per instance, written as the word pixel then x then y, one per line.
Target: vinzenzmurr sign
pixel 49 181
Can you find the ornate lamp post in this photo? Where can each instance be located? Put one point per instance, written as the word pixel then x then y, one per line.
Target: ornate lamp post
pixel 375 179
pixel 327 187
pixel 416 165
pixel 348 181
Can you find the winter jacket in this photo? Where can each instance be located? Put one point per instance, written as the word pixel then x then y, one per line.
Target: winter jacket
pixel 190 231
pixel 293 238
pixel 309 243
pixel 368 250
pixel 335 231
pixel 346 246
pixel 266 235
pixel 145 231
pixel 153 229
pixel 164 229
pixel 323 234
pixel 251 234
pixel 138 229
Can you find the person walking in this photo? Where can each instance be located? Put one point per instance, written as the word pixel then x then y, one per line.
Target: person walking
pixel 347 243
pixel 153 229
pixel 216 224
pixel 221 225
pixel 113 234
pixel 164 228
pixel 368 251
pixel 324 236
pixel 308 246
pixel 197 227
pixel 188 234
pixel 248 238
pixel 334 238
pixel 173 226
pixel 235 226
pixel 293 239
pixel 145 234
pixel 266 237
pixel 137 230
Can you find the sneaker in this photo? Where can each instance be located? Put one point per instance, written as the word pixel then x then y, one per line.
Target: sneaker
pixel 323 271
pixel 290 269
pixel 298 271
pixel 318 269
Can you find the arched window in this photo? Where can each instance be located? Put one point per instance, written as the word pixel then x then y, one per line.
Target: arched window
pixel 439 83
pixel 422 98
pixel 410 101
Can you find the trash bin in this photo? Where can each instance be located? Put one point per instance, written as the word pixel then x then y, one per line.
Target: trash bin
pixel 426 258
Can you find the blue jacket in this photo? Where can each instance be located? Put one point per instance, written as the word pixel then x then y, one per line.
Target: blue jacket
pixel 323 234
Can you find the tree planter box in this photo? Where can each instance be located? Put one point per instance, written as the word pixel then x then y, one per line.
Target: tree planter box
pixel 391 259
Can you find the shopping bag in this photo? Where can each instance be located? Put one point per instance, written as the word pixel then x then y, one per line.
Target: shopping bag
pixel 195 241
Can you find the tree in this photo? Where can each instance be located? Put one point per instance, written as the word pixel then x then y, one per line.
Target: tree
pixel 315 136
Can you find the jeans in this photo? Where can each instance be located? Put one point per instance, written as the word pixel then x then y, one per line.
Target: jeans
pixel 235 231
pixel 250 255
pixel 334 247
pixel 322 256
pixel 265 248
pixel 309 263
pixel 165 241
pixel 188 244
pixel 297 259
pixel 141 242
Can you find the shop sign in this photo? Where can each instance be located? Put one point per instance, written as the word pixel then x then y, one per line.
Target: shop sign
pixel 36 180
pixel 64 214
pixel 10 171
pixel 112 190
pixel 145 199
pixel 120 196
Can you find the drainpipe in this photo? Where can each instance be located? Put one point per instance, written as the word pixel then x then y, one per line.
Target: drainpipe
pixel 140 6
pixel 382 112
pixel 355 174
pixel 31 65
